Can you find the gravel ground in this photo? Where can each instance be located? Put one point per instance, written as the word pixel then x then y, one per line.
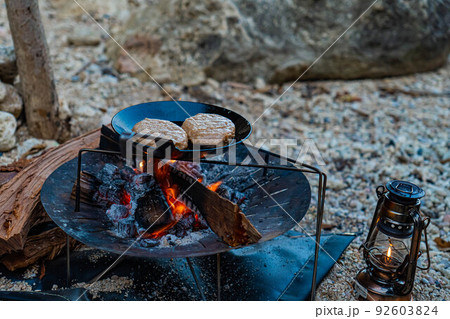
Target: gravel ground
pixel 368 132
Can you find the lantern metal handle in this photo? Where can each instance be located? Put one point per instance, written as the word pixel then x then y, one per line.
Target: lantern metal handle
pixel 426 222
pixel 380 191
pixel 411 265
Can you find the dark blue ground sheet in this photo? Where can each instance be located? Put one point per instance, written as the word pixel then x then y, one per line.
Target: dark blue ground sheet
pixel 280 269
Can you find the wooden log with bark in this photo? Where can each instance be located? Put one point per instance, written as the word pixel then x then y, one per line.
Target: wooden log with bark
pixel 36 76
pixel 223 216
pixel 20 206
pixel 46 244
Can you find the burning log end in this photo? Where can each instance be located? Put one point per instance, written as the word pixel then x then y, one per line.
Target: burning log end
pixel 223 216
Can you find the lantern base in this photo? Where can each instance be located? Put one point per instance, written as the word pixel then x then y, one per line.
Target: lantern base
pixel 367 289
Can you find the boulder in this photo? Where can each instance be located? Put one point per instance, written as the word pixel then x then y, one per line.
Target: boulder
pixel 8 127
pixel 8 67
pixel 12 102
pixel 241 40
pixel 98 8
pixel 176 41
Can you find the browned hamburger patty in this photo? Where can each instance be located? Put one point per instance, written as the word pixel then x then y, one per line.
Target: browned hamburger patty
pixel 209 129
pixel 163 129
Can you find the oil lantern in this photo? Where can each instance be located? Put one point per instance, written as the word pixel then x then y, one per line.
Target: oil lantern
pixel 392 247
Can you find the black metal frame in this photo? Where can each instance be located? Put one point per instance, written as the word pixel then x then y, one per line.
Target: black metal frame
pixel 305 168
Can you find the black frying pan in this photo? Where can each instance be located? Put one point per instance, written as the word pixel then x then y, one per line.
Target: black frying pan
pixel 177 112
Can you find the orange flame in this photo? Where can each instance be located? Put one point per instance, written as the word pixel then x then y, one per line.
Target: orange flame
pixel 389 252
pixel 171 193
pixel 142 165
pixel 160 232
pixel 214 186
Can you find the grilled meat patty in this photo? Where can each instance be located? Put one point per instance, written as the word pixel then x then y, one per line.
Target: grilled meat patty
pixel 209 129
pixel 163 129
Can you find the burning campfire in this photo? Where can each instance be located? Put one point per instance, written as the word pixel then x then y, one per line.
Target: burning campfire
pixel 151 206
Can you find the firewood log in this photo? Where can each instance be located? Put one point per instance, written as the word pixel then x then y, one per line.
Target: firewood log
pixel 223 216
pixel 47 244
pixel 20 207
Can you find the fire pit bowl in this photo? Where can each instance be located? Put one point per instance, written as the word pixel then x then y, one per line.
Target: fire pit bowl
pixel 177 112
pixel 91 226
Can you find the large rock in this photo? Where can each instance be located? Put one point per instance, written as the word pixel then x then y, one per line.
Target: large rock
pixel 8 127
pixel 176 40
pixel 8 67
pixel 186 41
pixel 11 102
pixel 98 8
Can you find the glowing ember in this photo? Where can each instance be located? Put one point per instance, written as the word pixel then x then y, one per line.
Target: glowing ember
pixel 126 199
pixel 389 252
pixel 160 232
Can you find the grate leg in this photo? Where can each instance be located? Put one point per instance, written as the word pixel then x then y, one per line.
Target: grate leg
pixel 67 261
pixel 197 283
pixel 266 160
pixel 320 208
pixel 218 278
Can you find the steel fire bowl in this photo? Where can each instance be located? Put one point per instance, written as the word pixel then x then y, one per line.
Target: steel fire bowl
pixel 91 226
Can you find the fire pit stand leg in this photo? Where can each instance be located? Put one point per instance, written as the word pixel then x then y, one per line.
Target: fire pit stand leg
pixel 305 168
pixel 218 278
pixel 319 218
pixel 78 202
pixel 67 261
pixel 197 283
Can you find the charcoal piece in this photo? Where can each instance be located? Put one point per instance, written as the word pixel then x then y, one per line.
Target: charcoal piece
pixel 142 183
pixel 110 193
pixel 126 227
pixel 108 173
pixel 188 224
pixel 127 173
pixel 231 194
pixel 116 212
pixel 184 225
pixel 152 210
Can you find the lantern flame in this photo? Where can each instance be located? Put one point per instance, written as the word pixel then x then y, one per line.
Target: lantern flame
pixel 389 252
